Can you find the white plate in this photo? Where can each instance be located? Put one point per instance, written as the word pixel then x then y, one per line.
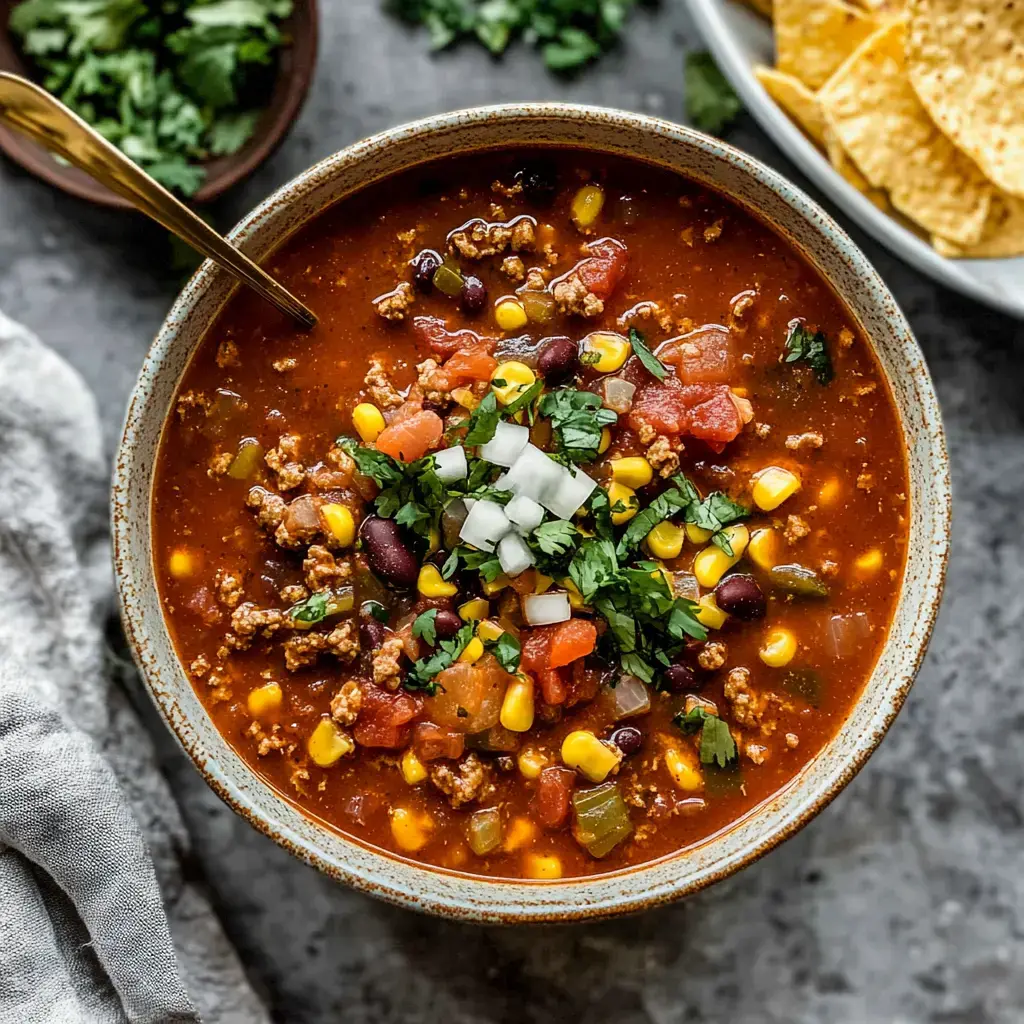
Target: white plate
pixel 739 38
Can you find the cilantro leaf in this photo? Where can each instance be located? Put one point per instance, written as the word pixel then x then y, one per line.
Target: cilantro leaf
pixel 593 566
pixel 577 419
pixel 312 609
pixel 812 349
pixel 424 625
pixel 651 362
pixel 716 742
pixel 525 399
pixel 483 421
pixel 421 675
pixel 555 537
pixel 486 564
pixel 711 103
pixel 663 507
pixel 381 468
pixel 507 650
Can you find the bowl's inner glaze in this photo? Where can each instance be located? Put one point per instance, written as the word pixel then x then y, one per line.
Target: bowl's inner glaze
pixel 744 182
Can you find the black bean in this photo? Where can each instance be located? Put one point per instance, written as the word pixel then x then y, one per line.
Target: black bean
pixel 679 677
pixel 386 552
pixel 539 179
pixel 424 265
pixel 474 294
pixel 372 634
pixel 627 738
pixel 741 596
pixel 447 624
pixel 558 359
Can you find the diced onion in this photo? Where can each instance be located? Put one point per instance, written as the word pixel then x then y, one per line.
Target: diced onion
pixel 450 464
pixel 514 555
pixel 525 513
pixel 533 474
pixel 571 491
pixel 847 634
pixel 485 525
pixel 631 697
pixel 504 448
pixel 546 609
pixel 618 394
pixel 684 584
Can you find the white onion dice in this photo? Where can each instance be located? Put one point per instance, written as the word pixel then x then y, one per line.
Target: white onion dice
pixel 451 465
pixel 513 554
pixel 547 609
pixel 525 513
pixel 509 440
pixel 572 490
pixel 533 474
pixel 485 525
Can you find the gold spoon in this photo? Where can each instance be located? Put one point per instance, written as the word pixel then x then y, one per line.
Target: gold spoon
pixel 34 112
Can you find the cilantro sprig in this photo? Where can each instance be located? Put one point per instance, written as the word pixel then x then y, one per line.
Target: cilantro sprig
pixel 716 743
pixel 421 676
pixel 803 345
pixel 577 419
pixel 711 102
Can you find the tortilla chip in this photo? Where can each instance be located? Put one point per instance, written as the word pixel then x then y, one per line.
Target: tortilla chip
pixel 1003 237
pixel 795 99
pixel 841 161
pixel 876 116
pixel 813 37
pixel 966 61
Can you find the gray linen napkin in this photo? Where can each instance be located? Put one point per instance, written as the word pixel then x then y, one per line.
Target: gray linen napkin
pixel 97 921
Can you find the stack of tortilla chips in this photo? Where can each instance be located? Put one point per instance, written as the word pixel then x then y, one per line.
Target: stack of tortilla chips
pixel 918 104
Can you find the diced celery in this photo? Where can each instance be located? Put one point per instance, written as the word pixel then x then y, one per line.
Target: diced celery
pixel 484 831
pixel 600 819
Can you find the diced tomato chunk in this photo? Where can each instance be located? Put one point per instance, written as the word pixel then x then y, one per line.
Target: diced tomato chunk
pixel 661 406
pixel 470 364
pixel 570 641
pixel 702 356
pixel 433 741
pixel 433 331
pixel 410 439
pixel 534 654
pixel 583 684
pixel 385 718
pixel 716 418
pixel 554 791
pixel 552 685
pixel 605 266
pixel 705 411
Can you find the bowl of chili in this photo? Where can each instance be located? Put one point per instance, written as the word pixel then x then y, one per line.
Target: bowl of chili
pixel 584 551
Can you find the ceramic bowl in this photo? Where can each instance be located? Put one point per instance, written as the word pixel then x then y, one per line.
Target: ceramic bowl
pixel 453 893
pixel 294 74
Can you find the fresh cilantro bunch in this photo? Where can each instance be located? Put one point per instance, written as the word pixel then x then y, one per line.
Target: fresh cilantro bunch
pixel 711 102
pixel 169 82
pixel 569 33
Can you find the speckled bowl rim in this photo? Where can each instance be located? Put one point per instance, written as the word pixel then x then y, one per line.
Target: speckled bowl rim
pixel 457 894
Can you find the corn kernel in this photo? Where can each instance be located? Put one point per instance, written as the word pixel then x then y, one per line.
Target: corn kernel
pixel 410 830
pixel 413 769
pixel 593 759
pixel 181 564
pixel 495 586
pixel 472 652
pixel 474 610
pixel 869 562
pixel 575 597
pixel 517 377
pixel 542 583
pixel 543 865
pixel 510 315
pixel 520 832
pixel 605 352
pixel 340 523
pixel 712 563
pixel 433 541
pixel 665 541
pixel 829 491
pixel 778 648
pixel 709 614
pixel 620 492
pixel 517 707
pixel 531 763
pixel 772 486
pixel 606 441
pixel 685 774
pixel 489 630
pixel 763 549
pixel 264 700
pixel 634 471
pixel 697 534
pixel 328 744
pixel 586 206
pixel 430 584
pixel 368 421
pixel 465 398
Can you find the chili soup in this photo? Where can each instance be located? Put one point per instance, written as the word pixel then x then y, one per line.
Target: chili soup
pixel 569 535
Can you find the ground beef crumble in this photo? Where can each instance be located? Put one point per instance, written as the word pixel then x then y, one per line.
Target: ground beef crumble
pixel 434 382
pixel 305 648
pixel 323 570
pixel 387 663
pixel 480 239
pixel 229 589
pixel 395 305
pixel 713 655
pixel 796 529
pixel 227 354
pixel 469 780
pixel 347 703
pixel 513 267
pixel 219 464
pixel 809 439
pixel 663 456
pixel 572 296
pixel 378 383
pixel 284 462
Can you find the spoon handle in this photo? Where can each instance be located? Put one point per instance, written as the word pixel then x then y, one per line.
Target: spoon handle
pixel 27 108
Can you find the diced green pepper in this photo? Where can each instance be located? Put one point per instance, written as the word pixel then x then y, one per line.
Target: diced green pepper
pixel 798 580
pixel 247 461
pixel 600 819
pixel 484 831
pixel 448 279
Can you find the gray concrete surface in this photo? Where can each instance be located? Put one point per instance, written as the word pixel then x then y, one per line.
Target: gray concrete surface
pixel 902 902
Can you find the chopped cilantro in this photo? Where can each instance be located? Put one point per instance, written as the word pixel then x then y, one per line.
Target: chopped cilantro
pixel 312 610
pixel 667 504
pixel 421 675
pixel 376 609
pixel 555 537
pixel 425 626
pixel 577 419
pixel 525 399
pixel 812 349
pixel 716 743
pixel 381 468
pixel 483 421
pixel 486 564
pixel 711 103
pixel 507 650
pixel 651 362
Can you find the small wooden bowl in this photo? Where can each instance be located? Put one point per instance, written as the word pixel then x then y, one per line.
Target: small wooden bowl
pixel 295 71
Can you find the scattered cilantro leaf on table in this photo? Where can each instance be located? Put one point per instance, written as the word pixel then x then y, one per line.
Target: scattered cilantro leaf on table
pixel 711 103
pixel 716 742
pixel 811 348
